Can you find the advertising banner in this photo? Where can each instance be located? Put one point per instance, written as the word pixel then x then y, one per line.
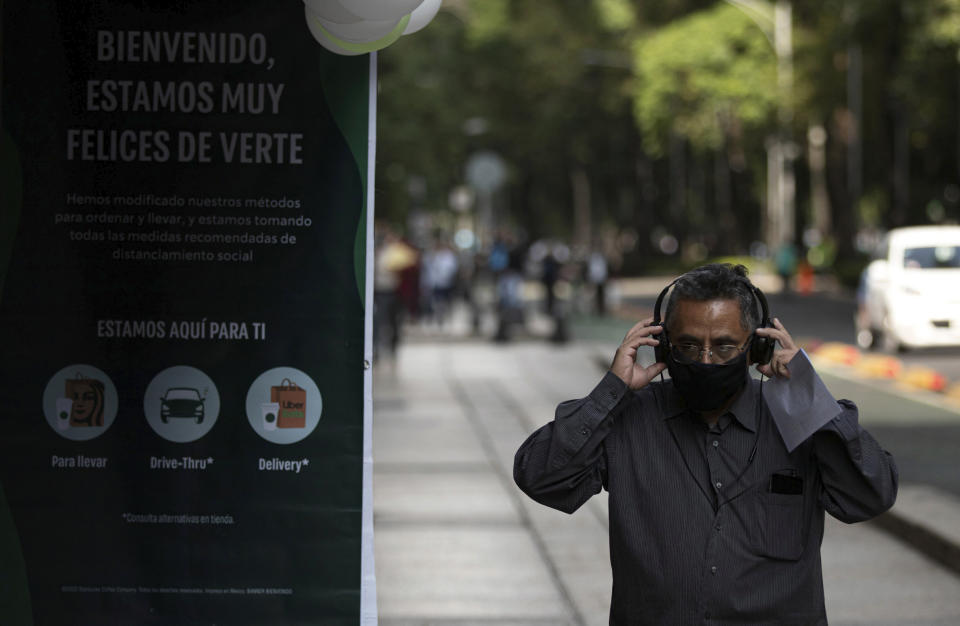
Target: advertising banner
pixel 183 240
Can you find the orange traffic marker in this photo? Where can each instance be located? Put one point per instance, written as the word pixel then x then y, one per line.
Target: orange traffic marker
pixel 924 378
pixel 836 352
pixel 880 366
pixel 805 278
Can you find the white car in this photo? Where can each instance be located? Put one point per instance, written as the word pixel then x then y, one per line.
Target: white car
pixel 910 296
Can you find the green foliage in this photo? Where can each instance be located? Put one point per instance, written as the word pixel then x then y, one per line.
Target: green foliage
pixel 424 99
pixel 488 20
pixel 873 205
pixel 753 265
pixel 942 21
pixel 537 83
pixel 604 87
pixel 848 270
pixel 616 15
pixel 701 76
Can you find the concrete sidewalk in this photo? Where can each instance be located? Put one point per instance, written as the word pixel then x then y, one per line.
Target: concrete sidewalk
pixel 457 544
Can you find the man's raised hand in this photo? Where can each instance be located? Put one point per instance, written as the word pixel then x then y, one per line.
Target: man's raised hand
pixel 625 364
pixel 778 364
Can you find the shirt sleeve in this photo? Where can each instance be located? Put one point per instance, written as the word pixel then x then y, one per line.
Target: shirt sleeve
pixel 563 464
pixel 859 476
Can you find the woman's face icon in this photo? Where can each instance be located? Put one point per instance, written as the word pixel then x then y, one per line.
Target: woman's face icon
pixel 87 407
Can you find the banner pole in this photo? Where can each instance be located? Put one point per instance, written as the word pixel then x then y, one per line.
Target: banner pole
pixel 368 583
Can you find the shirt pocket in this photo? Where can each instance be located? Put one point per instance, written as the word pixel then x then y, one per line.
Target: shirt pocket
pixel 779 525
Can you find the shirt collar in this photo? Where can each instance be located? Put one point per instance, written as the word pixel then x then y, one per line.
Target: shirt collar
pixel 743 409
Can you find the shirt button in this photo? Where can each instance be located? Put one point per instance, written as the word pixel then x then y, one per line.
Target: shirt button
pixel 584 431
pixel 715 443
pixel 713 570
pixel 719 484
pixel 717 527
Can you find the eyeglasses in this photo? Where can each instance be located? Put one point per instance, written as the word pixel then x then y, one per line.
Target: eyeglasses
pixel 690 352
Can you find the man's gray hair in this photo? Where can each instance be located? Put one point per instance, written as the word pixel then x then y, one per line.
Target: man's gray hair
pixel 717 281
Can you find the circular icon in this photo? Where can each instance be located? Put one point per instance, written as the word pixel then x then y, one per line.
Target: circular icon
pixel 181 404
pixel 80 402
pixel 283 405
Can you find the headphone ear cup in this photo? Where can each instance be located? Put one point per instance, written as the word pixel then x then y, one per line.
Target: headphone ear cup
pixel 761 351
pixel 662 349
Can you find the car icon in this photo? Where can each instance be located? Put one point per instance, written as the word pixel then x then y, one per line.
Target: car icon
pixel 183 402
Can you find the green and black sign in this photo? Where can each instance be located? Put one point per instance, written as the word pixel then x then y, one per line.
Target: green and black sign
pixel 182 242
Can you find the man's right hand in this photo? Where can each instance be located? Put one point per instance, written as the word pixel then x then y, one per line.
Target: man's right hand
pixel 625 364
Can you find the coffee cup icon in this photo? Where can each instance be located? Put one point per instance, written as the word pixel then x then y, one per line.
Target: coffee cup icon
pixel 64 408
pixel 270 410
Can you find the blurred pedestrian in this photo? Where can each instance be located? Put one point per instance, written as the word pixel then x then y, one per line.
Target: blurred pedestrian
pixel 549 273
pixel 440 270
pixel 718 483
pixel 499 257
pixel 596 274
pixel 409 290
pixel 785 259
pixel 866 337
pixel 509 298
pixel 391 257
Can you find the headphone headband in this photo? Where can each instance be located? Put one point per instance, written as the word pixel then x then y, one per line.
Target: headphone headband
pixel 757 294
pixel 760 351
pixel 656 307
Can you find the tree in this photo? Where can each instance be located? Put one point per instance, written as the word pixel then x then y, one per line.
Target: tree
pixel 708 82
pixel 653 116
pixel 543 84
pixel 709 78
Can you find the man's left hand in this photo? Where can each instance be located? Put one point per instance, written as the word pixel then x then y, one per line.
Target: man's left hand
pixel 778 364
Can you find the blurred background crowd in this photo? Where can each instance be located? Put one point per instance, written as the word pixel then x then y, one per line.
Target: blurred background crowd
pixel 442 285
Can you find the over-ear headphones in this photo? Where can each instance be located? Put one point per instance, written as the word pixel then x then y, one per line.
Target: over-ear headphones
pixel 761 349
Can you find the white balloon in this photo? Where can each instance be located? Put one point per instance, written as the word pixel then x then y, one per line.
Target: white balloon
pixel 422 15
pixel 350 48
pixel 359 32
pixel 380 9
pixel 332 11
pixel 318 33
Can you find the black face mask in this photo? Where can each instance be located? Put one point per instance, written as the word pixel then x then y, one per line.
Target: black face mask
pixel 707 386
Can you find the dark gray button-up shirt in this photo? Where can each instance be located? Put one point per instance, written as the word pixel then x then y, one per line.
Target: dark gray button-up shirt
pixel 708 524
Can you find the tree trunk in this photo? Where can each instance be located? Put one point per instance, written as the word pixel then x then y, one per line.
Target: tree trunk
pixel 901 165
pixel 581 207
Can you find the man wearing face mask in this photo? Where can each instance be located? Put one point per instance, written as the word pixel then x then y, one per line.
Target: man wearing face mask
pixel 718 482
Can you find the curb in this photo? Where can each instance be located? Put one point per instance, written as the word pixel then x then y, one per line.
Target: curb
pixel 925 540
pixel 928 520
